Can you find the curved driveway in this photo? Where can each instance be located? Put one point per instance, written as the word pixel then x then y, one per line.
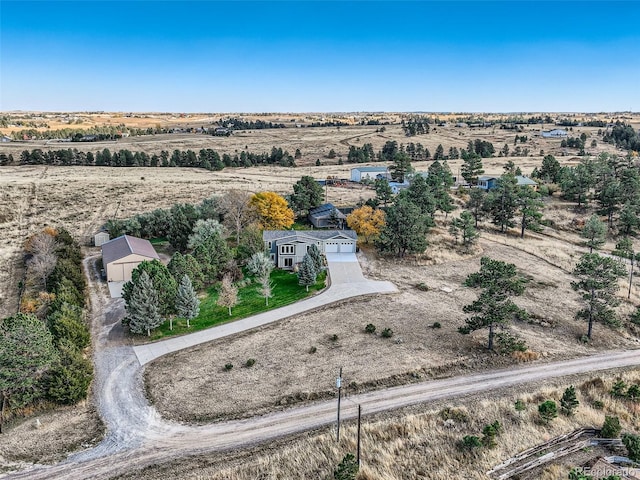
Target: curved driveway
pixel 137 436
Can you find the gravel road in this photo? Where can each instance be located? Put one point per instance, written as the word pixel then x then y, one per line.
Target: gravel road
pixel 138 437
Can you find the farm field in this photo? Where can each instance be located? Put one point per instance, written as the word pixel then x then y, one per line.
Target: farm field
pixel 296 359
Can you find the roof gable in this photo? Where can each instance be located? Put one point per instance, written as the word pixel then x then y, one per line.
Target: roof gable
pixel 125 245
pixel 311 235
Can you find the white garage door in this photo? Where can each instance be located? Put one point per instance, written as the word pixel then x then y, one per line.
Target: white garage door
pixel 347 247
pixel 331 247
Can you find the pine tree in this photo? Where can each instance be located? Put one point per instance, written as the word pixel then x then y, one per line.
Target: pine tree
pixel 472 168
pixel 315 254
pixel 228 296
pixel 594 232
pixel 187 303
pixel 143 310
pixel 569 402
pixel 502 202
pixel 530 206
pixel 548 411
pixel 307 272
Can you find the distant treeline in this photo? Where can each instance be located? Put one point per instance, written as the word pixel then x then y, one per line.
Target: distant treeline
pixel 624 136
pixel 416 151
pixel 206 158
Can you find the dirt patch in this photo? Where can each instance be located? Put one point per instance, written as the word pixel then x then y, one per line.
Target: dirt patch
pixel 297 359
pixel 48 437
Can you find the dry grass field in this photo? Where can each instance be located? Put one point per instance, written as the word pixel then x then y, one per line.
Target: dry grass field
pixel 192 386
pixel 419 443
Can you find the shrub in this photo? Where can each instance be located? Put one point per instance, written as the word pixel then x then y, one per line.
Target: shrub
pixel 334 337
pixel 422 286
pixel 456 414
pixel 633 393
pixel 436 325
pixel 520 406
pixel 228 366
pixel 347 469
pixel 598 405
pixel 635 317
pixel 507 343
pixel 632 442
pixel 489 434
pixel 469 442
pixel 250 362
pixel 387 333
pixel 611 427
pixel 618 389
pixel 370 328
pixel 548 410
pixel 313 350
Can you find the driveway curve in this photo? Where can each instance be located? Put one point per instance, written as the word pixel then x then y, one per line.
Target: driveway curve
pixel 346 281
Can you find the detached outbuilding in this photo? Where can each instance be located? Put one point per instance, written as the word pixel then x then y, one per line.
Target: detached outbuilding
pixel 122 255
pixel 100 238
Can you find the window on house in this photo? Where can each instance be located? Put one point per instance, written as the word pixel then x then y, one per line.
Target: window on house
pixel 288 262
pixel 269 246
pixel 287 249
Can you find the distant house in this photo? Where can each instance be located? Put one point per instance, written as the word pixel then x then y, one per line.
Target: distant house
pixel 100 238
pixel 556 133
pixel 287 248
pixel 367 173
pixel 487 182
pixel 122 255
pixel 222 132
pixel 324 217
pixel 396 187
pixel 5 139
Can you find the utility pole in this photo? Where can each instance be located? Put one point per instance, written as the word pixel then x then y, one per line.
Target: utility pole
pixel 359 415
pixel 339 385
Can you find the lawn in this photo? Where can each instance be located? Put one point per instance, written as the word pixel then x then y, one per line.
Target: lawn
pixel 285 291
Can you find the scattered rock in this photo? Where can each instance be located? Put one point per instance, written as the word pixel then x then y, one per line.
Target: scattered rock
pixel 446 289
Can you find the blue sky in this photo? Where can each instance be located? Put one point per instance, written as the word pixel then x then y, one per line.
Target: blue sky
pixel 324 56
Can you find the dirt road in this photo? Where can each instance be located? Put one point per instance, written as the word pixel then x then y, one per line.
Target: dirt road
pixel 138 436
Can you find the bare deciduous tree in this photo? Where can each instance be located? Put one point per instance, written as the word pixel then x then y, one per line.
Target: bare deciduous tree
pixel 228 296
pixel 235 207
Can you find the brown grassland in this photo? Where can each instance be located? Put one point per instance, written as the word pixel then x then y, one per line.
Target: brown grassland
pixel 192 386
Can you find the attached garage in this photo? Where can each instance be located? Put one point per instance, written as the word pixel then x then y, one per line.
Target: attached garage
pixel 331 247
pixel 122 255
pixel 347 246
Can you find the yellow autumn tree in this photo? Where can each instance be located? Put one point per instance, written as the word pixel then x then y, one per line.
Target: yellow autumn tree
pixel 272 210
pixel 366 221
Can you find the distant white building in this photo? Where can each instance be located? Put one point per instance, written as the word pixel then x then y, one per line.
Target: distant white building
pixel 5 139
pixel 367 173
pixel 558 132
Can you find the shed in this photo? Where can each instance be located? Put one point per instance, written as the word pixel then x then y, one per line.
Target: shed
pixel 321 217
pixel 367 173
pixel 557 132
pixel 122 255
pixel 100 238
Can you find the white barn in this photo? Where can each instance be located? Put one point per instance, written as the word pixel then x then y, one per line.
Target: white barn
pixel 367 173
pixel 122 255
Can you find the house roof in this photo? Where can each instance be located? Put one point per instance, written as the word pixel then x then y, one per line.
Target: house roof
pixel 325 211
pixel 293 235
pixel 125 245
pixel 486 178
pixel 370 169
pixel 525 180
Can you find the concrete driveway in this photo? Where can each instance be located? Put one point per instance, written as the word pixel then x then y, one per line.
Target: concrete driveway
pixel 347 281
pixel 115 289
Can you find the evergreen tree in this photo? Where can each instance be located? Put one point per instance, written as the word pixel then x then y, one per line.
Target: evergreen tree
pixel 464 226
pixel 260 265
pixel 181 265
pixel 530 206
pixel 143 308
pixel 162 281
pixel 597 283
pixel 632 442
pixel 629 218
pixel 569 402
pixel 401 167
pixel 498 281
pixel 26 352
pixel 347 469
pixel 307 195
pixel 421 195
pixel 594 232
pixel 69 379
pixel 406 229
pixel 502 202
pixel 550 169
pixel 384 194
pixel 307 272
pixel 187 303
pixel 316 256
pixel 203 230
pixel 476 204
pixel 548 410
pixel 471 169
pixel 212 255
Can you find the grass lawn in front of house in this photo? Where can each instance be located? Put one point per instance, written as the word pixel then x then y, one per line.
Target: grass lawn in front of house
pixel 285 292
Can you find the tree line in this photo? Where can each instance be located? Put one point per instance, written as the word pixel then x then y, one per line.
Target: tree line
pixel 206 158
pixel 43 348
